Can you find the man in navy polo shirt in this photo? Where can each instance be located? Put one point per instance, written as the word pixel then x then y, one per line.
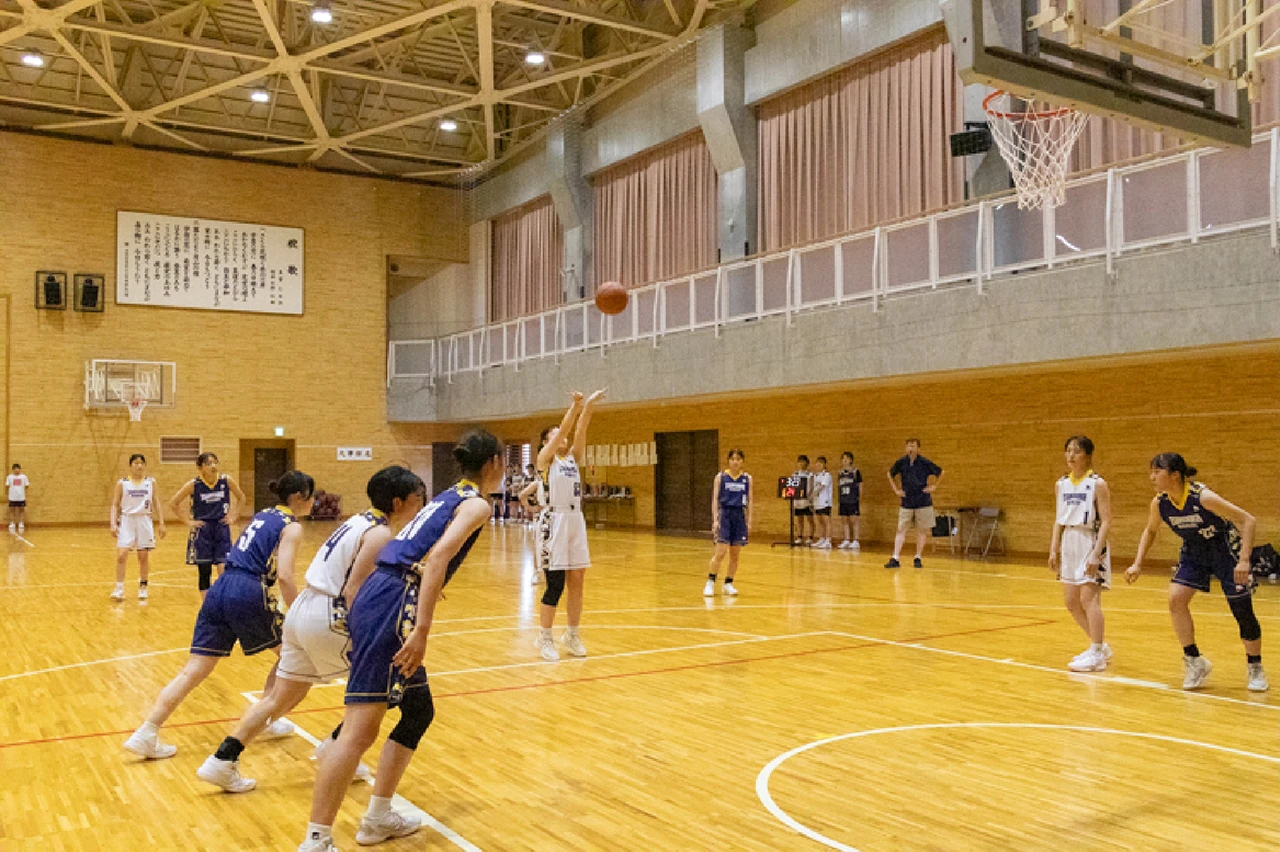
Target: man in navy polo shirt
pixel 914 478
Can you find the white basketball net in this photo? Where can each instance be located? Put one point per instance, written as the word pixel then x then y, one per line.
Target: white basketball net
pixel 134 396
pixel 1035 139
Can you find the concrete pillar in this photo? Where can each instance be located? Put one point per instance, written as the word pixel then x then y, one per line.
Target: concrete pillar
pixel 575 207
pixel 480 259
pixel 729 128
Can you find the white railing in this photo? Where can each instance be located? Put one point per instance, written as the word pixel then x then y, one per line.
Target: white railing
pixel 1181 198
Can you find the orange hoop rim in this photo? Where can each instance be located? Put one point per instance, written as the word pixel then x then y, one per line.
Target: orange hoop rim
pixel 1010 116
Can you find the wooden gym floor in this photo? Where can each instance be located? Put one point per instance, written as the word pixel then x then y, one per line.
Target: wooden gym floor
pixel 833 702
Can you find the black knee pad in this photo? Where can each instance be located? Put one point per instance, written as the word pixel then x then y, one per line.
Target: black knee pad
pixel 417 711
pixel 555 588
pixel 205 570
pixel 1242 609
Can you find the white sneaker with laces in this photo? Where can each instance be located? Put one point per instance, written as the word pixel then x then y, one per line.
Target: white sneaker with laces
pixel 709 590
pixel 118 594
pixel 731 590
pixel 855 547
pixel 389 825
pixel 142 593
pixel 319 845
pixel 363 772
pixel 844 545
pixel 547 648
pixel 1197 669
pixel 1089 661
pixel 225 774
pixel 149 746
pixel 1257 678
pixel 573 642
pixel 280 728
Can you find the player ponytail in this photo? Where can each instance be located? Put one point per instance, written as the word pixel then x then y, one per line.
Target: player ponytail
pixel 290 483
pixel 476 449
pixel 1084 444
pixel 542 438
pixel 390 483
pixel 1173 463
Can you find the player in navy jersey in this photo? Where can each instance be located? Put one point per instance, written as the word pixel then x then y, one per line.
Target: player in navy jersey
pixel 849 488
pixel 239 607
pixel 731 521
pixel 389 621
pixel 214 501
pixel 1217 540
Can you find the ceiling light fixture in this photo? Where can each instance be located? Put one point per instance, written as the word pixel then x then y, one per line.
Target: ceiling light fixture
pixel 322 12
pixel 448 125
pixel 33 60
pixel 534 57
pixel 260 96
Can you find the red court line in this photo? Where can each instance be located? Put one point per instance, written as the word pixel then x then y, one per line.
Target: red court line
pixel 568 682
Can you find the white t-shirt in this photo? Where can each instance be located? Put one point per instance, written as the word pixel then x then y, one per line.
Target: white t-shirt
pixel 17 487
pixel 822 490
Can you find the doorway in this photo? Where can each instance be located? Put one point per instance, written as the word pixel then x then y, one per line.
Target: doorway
pixel 261 463
pixel 684 479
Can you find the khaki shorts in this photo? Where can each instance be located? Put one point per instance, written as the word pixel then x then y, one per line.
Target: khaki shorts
pixel 923 518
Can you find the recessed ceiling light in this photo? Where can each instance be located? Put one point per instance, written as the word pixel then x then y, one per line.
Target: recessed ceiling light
pixel 260 96
pixel 33 60
pixel 322 12
pixel 534 57
pixel 448 125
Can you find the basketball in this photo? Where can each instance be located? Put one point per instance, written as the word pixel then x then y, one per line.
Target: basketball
pixel 611 298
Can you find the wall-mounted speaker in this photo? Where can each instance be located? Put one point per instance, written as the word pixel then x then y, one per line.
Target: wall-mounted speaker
pixel 90 292
pixel 51 290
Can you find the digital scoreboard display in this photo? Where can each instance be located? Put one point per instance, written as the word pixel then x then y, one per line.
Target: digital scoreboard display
pixel 793 487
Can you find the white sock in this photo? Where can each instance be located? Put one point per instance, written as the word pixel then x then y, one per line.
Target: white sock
pixel 1097 646
pixel 571 631
pixel 149 730
pixel 315 831
pixel 378 807
pixel 545 633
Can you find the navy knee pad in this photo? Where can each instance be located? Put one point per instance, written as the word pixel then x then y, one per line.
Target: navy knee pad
pixel 417 711
pixel 1242 609
pixel 555 588
pixel 205 570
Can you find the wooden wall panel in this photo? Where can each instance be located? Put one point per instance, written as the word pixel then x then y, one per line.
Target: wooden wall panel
pixel 999 436
pixel 322 376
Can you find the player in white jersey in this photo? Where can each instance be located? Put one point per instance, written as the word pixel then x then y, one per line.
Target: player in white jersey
pixel 315 641
pixel 133 504
pixel 1079 554
pixel 564 551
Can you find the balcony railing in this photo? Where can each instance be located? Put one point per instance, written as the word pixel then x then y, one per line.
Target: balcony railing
pixel 1182 198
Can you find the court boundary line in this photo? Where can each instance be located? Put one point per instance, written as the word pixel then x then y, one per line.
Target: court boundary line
pixel 1162 688
pixel 398 802
pixel 762 779
pixel 544 684
pixel 17 675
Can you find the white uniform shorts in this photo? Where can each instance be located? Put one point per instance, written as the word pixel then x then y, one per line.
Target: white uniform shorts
pixel 1077 544
pixel 314 648
pixel 136 532
pixel 564 541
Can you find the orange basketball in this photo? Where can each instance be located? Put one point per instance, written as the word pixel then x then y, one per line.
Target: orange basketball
pixel 611 298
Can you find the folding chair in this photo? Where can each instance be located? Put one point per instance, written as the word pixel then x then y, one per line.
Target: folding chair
pixel 986 522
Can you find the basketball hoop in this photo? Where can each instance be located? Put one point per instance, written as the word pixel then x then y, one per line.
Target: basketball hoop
pixel 1036 142
pixel 134 396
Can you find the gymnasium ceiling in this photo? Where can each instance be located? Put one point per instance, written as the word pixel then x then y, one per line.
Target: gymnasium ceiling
pixel 366 92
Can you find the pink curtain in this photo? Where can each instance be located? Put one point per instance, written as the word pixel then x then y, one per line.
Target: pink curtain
pixel 867 144
pixel 527 254
pixel 656 214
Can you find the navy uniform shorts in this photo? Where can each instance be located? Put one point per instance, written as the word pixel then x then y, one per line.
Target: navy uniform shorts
pixel 239 608
pixel 381 618
pixel 733 527
pixel 850 510
pixel 209 543
pixel 1195 570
